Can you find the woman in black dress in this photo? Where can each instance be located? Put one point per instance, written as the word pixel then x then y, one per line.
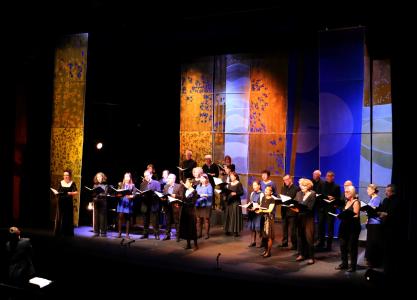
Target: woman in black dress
pixel 349 230
pixel 266 209
pixel 64 219
pixel 305 220
pixel 188 226
pixel 233 214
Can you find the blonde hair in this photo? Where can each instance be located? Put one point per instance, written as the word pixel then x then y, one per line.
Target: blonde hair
pixel 305 182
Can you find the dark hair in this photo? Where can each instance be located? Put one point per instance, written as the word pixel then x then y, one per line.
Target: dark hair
pixel 266 172
pixel 257 181
pixel 235 174
pixel 231 167
pixel 393 188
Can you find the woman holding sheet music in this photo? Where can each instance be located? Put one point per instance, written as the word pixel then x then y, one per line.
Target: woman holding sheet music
pixel 254 219
pixel 203 205
pixel 233 214
pixel 64 220
pixel 187 227
pixel 305 219
pixel 349 230
pixel 125 205
pixel 100 205
pixel 266 209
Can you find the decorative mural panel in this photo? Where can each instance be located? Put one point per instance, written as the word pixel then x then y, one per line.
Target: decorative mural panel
pixel 200 142
pixel 249 98
pixel 68 112
pixel 268 96
pixel 269 150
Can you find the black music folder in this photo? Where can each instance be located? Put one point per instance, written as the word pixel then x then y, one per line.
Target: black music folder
pixel 121 192
pixel 344 215
pixel 96 190
pixel 370 211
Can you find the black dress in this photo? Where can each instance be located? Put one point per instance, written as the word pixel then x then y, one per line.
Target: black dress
pixel 233 214
pixel 188 225
pixel 64 220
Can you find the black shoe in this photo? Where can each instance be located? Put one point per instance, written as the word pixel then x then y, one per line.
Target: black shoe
pixel 283 245
pixel 207 237
pixel 95 235
pixel 252 244
pixel 341 267
pixel 167 237
pixel 145 236
pixel 351 269
pixel 293 248
pixel 178 239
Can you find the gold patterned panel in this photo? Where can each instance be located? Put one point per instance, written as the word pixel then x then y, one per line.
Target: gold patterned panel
pixel 267 151
pixel 68 104
pixel 66 150
pixel 198 142
pixel 196 112
pixel 67 132
pixel 268 96
pixel 66 153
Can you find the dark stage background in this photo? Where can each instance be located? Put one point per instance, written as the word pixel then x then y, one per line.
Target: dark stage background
pixel 133 83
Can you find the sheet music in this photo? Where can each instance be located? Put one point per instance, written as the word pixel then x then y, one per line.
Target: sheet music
pixel 172 199
pixel 41 282
pixel 217 180
pixel 218 191
pixel 160 195
pixel 284 198
pixel 54 191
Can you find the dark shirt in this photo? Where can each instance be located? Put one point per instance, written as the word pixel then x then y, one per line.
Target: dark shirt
pixel 213 169
pixel 318 186
pixel 21 267
pixel 289 191
pixel 189 165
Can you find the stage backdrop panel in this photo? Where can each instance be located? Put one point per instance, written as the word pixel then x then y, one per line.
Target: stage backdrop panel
pixel 248 111
pixel 67 132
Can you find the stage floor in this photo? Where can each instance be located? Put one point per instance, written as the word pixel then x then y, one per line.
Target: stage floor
pixel 109 260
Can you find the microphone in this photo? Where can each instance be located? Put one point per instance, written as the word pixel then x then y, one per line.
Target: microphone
pixel 122 241
pixel 217 261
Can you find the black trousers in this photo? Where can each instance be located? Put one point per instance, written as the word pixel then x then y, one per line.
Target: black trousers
pixel 306 235
pixel 289 223
pixel 326 220
pixel 172 214
pixel 349 239
pixel 151 217
pixel 100 216
pixel 374 245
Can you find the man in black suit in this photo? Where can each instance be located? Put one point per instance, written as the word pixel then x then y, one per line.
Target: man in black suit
pixel 150 204
pixel 331 192
pixel 289 216
pixel 173 210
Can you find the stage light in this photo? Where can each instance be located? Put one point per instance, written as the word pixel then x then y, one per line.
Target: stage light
pixel 99 146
